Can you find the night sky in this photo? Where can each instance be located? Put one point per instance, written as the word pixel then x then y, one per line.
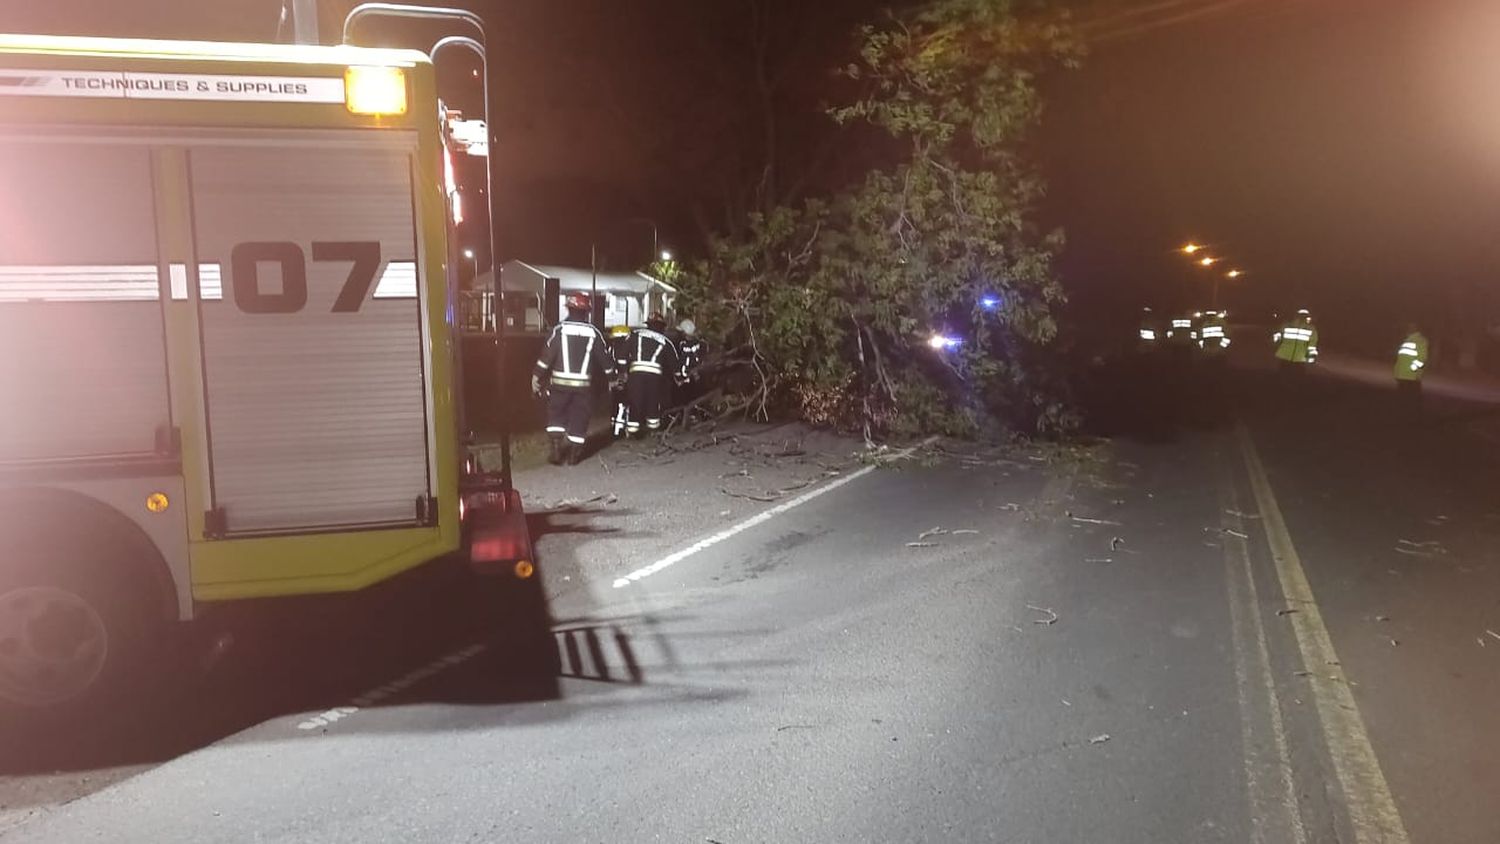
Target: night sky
pixel 1345 153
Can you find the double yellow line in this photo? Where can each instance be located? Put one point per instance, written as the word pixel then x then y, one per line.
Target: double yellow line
pixel 1367 797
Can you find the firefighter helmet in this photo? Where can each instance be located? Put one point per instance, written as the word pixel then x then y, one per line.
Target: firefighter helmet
pixel 687 327
pixel 579 302
pixel 656 321
pixel 619 331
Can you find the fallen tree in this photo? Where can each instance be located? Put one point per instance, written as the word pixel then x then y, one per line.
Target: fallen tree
pixel 922 297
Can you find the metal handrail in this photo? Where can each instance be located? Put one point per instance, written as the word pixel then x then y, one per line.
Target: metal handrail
pixel 441 13
pixel 408 10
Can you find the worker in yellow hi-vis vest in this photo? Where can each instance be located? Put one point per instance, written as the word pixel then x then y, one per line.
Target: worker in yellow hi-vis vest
pixel 1296 342
pixel 1411 364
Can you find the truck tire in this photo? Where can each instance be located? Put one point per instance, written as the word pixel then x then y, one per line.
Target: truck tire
pixel 74 626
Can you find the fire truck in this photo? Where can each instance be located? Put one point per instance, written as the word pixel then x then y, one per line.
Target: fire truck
pixel 227 351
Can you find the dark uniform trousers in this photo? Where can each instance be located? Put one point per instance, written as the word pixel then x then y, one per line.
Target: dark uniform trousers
pixel 648 395
pixel 568 410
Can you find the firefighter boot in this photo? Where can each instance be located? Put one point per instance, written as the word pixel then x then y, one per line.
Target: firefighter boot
pixel 555 454
pixel 575 454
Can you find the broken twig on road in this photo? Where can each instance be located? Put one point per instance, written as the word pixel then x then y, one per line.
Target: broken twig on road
pixel 1049 620
pixel 1100 739
pixel 1089 521
pixel 748 495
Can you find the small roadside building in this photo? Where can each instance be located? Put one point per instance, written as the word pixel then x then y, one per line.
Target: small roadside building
pixel 628 297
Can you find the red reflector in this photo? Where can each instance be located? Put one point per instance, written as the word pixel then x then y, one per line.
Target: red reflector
pixel 498 546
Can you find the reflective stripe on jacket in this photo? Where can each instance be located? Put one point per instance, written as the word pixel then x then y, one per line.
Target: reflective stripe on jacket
pixel 652 352
pixel 1213 338
pixel 1297 343
pixel 1411 357
pixel 575 352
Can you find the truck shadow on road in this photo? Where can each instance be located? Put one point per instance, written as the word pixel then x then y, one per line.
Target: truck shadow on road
pixel 284 661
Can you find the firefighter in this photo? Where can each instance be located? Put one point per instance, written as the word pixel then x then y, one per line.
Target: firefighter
pixel 619 345
pixel 653 361
pixel 1180 331
pixel 1296 343
pixel 1411 364
pixel 1149 336
pixel 1213 335
pixel 576 353
pixel 691 350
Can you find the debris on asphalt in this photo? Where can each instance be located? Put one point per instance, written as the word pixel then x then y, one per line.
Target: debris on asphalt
pixel 930 532
pixel 1011 506
pixel 1098 559
pixel 743 473
pixel 1065 702
pixel 575 503
pixel 784 727
pixel 1088 521
pixel 725 512
pixel 1051 615
pixel 1492 634
pixel 1115 542
pixel 921 545
pixel 1287 611
pixel 1430 548
pixel 1395 642
pixel 963 532
pixel 1303 673
pixel 1382 618
pixel 1099 739
pixel 1228 532
pixel 749 495
pixel 1240 515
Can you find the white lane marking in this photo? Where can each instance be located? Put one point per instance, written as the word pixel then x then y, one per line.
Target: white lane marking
pixel 437 666
pixel 760 518
pixel 400 684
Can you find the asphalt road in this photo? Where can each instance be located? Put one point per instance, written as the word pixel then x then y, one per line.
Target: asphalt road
pixel 1205 629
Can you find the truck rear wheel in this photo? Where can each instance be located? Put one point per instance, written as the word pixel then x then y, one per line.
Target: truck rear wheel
pixel 71 631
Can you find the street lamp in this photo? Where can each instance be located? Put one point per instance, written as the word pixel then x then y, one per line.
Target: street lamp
pixel 1208 262
pixel 474 259
pixel 1233 274
pixel 666 254
pixel 1191 248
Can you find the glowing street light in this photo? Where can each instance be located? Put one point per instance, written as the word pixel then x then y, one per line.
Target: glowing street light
pixel 1191 248
pixel 1234 274
pixel 1208 262
pixel 666 254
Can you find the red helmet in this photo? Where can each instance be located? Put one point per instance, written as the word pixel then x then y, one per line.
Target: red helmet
pixel 579 302
pixel 657 321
